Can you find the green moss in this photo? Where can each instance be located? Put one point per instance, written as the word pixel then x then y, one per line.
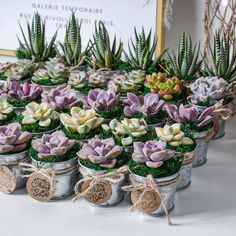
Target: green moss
pixel 115 113
pixel 11 118
pixel 78 136
pixel 122 160
pixel 35 128
pixel 68 156
pixel 190 128
pixel 21 103
pixel 169 167
pixel 84 90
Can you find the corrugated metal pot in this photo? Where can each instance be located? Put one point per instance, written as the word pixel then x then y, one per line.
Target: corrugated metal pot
pixel 65 182
pixel 117 195
pixel 186 171
pixel 168 191
pixel 16 157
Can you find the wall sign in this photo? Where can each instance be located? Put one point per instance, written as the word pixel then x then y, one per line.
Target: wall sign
pixel 120 17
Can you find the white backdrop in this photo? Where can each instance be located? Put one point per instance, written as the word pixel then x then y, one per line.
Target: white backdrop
pixel 120 16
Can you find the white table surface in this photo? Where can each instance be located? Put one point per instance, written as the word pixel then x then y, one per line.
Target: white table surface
pixel 207 207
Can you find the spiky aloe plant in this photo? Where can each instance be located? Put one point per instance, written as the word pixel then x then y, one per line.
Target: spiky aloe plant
pixel 222 58
pixel 185 62
pixel 71 49
pixel 34 45
pixel 140 57
pixel 103 54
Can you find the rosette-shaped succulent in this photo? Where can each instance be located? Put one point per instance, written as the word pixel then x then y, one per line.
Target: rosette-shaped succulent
pixel 81 121
pixel 3 68
pixel 137 76
pixel 152 153
pixel 38 113
pixel 24 91
pixel 126 129
pixel 16 72
pixel 173 135
pixel 208 89
pixel 186 114
pixel 55 144
pixel 149 105
pixel 40 75
pixel 60 99
pixel 12 139
pixel 168 88
pixel 101 100
pixel 78 79
pixel 5 109
pixel 99 79
pixel 101 151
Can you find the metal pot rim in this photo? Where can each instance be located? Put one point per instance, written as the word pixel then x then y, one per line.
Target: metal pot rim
pixel 46 132
pixel 14 156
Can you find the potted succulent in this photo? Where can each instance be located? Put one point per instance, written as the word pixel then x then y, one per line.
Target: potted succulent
pixel 14 149
pixel 58 153
pixel 53 74
pixel 127 131
pixel 81 124
pixel 102 156
pixel 3 68
pixel 197 122
pixel 60 99
pixel 147 107
pixel 170 89
pixel 105 102
pixel 7 114
pixel 19 95
pixel 152 160
pixel 208 91
pixel 39 119
pixel 184 145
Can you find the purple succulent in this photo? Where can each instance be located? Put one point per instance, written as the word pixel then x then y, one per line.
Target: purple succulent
pixel 149 105
pixel 190 114
pixel 25 91
pixel 12 139
pixel 152 153
pixel 60 99
pixel 55 144
pixel 102 152
pixel 101 100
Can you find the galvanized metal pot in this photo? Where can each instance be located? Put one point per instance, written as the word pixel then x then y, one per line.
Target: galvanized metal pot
pixel 117 195
pixel 221 124
pixel 185 171
pixel 153 126
pixel 167 187
pixel 65 181
pixel 8 159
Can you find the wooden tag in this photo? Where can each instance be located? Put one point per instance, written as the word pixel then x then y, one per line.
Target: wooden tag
pixel 40 187
pixel 7 180
pixel 150 203
pixel 99 194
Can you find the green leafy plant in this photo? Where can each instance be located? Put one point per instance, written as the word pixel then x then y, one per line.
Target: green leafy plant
pixel 103 54
pixel 222 58
pixel 141 52
pixel 35 47
pixel 185 62
pixel 71 49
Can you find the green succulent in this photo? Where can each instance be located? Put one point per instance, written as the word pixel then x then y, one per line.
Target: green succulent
pixel 35 47
pixel 141 52
pixel 222 58
pixel 185 62
pixel 103 54
pixel 71 49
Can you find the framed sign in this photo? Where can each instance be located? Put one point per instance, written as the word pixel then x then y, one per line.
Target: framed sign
pixel 119 16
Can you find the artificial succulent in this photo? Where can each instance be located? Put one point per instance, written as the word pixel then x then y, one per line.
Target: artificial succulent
pixel 60 99
pixel 152 153
pixel 12 139
pixel 127 129
pixel 78 80
pixel 173 135
pixel 42 114
pixel 208 90
pixel 6 109
pixel 167 88
pixel 103 152
pixel 50 145
pixel 81 121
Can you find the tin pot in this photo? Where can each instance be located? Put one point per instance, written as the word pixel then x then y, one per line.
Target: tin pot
pixel 221 124
pixel 117 195
pixel 7 159
pixel 65 181
pixel 167 188
pixel 185 171
pixel 153 126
